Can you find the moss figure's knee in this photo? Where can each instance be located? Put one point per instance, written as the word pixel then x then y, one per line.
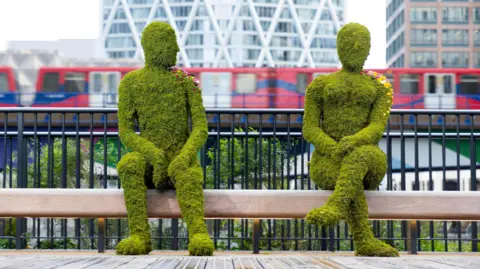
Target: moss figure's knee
pixel 132 164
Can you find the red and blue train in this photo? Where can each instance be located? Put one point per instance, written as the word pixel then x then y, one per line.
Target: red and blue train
pixel 9 96
pixel 249 87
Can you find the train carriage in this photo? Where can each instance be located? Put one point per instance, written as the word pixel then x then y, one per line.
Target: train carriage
pixel 8 88
pixel 414 88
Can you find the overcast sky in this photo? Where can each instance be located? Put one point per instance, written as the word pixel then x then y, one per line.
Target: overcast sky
pixel 60 19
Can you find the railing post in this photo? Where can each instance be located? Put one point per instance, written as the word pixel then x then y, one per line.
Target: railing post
pixel 21 176
pixel 101 235
pixel 174 234
pixel 412 237
pixel 256 236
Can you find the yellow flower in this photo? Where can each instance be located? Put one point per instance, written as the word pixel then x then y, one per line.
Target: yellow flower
pixel 388 85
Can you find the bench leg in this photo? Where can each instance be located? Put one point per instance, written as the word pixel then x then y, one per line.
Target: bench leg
pixel 412 237
pixel 101 235
pixel 256 236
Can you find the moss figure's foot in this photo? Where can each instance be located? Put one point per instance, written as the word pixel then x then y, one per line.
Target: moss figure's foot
pixel 376 248
pixel 134 245
pixel 200 245
pixel 326 215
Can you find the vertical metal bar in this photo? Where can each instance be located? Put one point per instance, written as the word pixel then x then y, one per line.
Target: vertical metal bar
pixel 417 177
pixel 459 224
pixel 256 236
pixel 430 178
pixel 77 175
pixel 331 241
pixel 90 177
pixel 21 174
pixel 473 178
pixel 412 237
pixel 175 234
pixel 64 179
pixel 444 173
pixel 101 235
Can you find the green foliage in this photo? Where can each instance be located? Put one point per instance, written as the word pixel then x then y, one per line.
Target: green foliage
pixel 240 161
pixel 160 98
pixel 57 244
pixel 345 115
pixel 49 169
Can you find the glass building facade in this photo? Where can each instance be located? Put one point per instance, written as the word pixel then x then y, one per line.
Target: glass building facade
pixel 231 33
pixel 433 33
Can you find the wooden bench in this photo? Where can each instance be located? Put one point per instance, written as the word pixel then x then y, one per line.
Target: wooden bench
pixel 248 204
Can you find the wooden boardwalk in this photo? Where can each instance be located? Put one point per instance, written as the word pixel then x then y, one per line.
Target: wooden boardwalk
pixel 231 260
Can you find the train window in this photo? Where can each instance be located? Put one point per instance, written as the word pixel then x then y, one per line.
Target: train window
pixel 97 83
pixel 447 84
pixel 3 82
pixel 432 84
pixel 302 82
pixel 246 83
pixel 113 82
pixel 50 82
pixel 409 84
pixel 74 82
pixel 469 84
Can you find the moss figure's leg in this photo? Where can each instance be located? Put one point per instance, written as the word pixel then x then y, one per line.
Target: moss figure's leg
pixel 360 163
pixel 365 243
pixel 190 197
pixel 131 170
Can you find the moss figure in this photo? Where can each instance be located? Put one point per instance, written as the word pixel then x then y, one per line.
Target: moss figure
pixel 161 98
pixel 345 115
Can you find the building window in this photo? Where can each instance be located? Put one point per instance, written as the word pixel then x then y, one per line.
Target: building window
pixel 140 13
pixel 455 59
pixel 119 42
pixel 423 59
pixel 455 14
pixel 476 59
pixel 194 40
pixel 396 24
pixel 455 37
pixel 476 15
pixel 392 7
pixel 423 37
pixel 423 15
pixel 476 38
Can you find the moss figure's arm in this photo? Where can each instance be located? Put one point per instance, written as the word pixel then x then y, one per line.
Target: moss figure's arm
pixel 199 133
pixel 311 120
pixel 126 124
pixel 379 115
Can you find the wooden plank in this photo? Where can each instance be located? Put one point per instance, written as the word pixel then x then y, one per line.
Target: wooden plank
pixel 109 203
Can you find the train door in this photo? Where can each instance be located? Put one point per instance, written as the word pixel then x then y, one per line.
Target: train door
pixel 216 89
pixel 103 89
pixel 440 91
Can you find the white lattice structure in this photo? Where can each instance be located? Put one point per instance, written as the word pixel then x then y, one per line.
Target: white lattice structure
pixel 231 33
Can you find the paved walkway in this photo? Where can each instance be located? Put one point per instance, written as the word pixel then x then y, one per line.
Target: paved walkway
pixel 231 260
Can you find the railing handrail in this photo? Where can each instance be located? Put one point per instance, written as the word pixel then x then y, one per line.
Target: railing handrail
pixel 232 110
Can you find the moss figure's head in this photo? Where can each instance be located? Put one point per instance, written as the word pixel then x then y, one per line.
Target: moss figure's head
pixel 353 46
pixel 159 43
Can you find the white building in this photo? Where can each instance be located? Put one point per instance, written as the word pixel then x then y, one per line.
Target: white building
pixel 231 33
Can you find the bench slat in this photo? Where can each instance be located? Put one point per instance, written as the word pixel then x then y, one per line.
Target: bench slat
pixel 109 203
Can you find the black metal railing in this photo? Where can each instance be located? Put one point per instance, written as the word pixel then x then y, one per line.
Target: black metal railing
pixel 248 149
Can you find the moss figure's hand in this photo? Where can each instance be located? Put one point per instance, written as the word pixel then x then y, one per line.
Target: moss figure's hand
pixel 178 165
pixel 345 146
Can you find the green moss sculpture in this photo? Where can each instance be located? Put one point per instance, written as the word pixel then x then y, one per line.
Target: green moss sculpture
pixel 161 98
pixel 345 115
